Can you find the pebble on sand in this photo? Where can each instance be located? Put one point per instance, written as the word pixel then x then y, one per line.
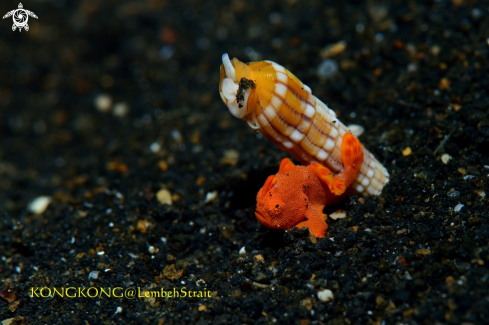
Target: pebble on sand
pixel 93 275
pixel 39 204
pixel 164 197
pixel 120 109
pixel 155 147
pixel 327 69
pixel 230 157
pixel 103 103
pixel 481 194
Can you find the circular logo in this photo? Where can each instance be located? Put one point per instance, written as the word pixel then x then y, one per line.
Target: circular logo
pixel 20 18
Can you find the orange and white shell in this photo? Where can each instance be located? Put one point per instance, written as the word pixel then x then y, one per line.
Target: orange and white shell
pixel 274 101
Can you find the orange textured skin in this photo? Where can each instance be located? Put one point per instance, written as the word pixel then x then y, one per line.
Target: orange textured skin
pixel 297 195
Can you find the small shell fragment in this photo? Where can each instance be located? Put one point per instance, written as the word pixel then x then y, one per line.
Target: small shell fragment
pixel 202 308
pixel 164 197
pixel 445 158
pixel 356 129
pixel 458 207
pixel 242 251
pixel 93 275
pixel 210 196
pixel 453 193
pixel 481 194
pixel 462 171
pixel 259 258
pixel 423 252
pixel 39 204
pixel 103 103
pixel 340 214
pixel 334 49
pixel 143 226
pixel 155 147
pixel 456 107
pixel 407 151
pixel 444 84
pixel 325 295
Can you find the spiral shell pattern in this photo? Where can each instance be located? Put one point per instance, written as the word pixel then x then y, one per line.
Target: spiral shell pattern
pixel 274 101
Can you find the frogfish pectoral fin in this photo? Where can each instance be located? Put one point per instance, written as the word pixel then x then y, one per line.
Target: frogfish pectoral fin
pixel 335 185
pixel 316 224
pixel 352 155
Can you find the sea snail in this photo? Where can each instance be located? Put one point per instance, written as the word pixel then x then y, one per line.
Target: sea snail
pixel 274 101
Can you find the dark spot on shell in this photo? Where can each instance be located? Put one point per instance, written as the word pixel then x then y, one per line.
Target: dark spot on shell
pixel 244 84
